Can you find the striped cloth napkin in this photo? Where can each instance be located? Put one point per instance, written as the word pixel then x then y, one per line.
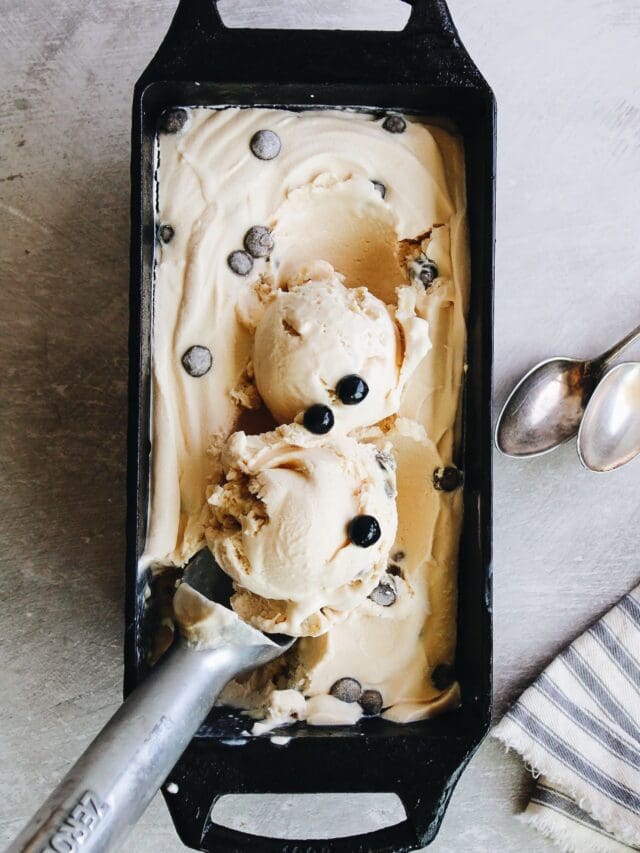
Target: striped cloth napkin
pixel 578 728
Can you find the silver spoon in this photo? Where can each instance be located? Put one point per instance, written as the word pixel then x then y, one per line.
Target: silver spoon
pixel 113 782
pixel 545 408
pixel 609 435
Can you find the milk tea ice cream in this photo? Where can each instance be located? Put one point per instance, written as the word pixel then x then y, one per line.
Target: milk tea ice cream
pixel 303 524
pixel 319 342
pixel 309 344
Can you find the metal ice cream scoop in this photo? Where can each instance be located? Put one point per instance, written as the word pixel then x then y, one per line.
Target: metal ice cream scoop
pixel 109 787
pixel 609 435
pixel 545 408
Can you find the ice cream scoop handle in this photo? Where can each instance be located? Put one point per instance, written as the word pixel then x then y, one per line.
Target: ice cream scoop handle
pixel 113 782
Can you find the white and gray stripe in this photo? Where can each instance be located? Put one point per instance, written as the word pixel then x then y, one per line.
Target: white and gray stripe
pixel 571 819
pixel 578 726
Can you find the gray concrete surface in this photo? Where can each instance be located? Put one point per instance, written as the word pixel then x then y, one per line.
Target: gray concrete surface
pixel 565 73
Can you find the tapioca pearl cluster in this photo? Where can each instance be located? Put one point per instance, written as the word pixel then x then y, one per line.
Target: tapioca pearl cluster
pixel 197 360
pixel 258 241
pixel 350 391
pixel 350 690
pixel 393 123
pixel 172 121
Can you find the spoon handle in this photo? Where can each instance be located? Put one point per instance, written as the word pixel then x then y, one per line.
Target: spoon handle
pixel 610 354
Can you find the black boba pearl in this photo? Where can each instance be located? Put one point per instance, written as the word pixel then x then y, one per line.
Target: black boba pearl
pixel 394 124
pixel 364 531
pixel 258 241
pixel 265 144
pixel 398 556
pixel 428 273
pixel 172 121
pixel 394 571
pixel 346 689
pixel 197 361
pixel 380 188
pixel 352 389
pixel 443 676
pixel 447 479
pixel 384 594
pixel 318 419
pixel 371 703
pixel 240 262
pixel 165 233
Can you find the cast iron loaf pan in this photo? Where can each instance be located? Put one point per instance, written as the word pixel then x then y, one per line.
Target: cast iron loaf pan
pixel 422 70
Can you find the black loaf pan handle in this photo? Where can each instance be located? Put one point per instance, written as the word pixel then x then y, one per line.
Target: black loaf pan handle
pixel 423 776
pixel 198 43
pixel 428 16
pixel 421 770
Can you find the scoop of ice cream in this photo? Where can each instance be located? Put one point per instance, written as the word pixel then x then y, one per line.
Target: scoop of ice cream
pixel 320 342
pixel 303 525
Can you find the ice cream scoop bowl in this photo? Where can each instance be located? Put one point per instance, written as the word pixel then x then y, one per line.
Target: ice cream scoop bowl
pixel 109 787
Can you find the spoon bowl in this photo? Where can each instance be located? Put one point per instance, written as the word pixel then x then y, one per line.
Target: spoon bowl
pixel 545 408
pixel 609 435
